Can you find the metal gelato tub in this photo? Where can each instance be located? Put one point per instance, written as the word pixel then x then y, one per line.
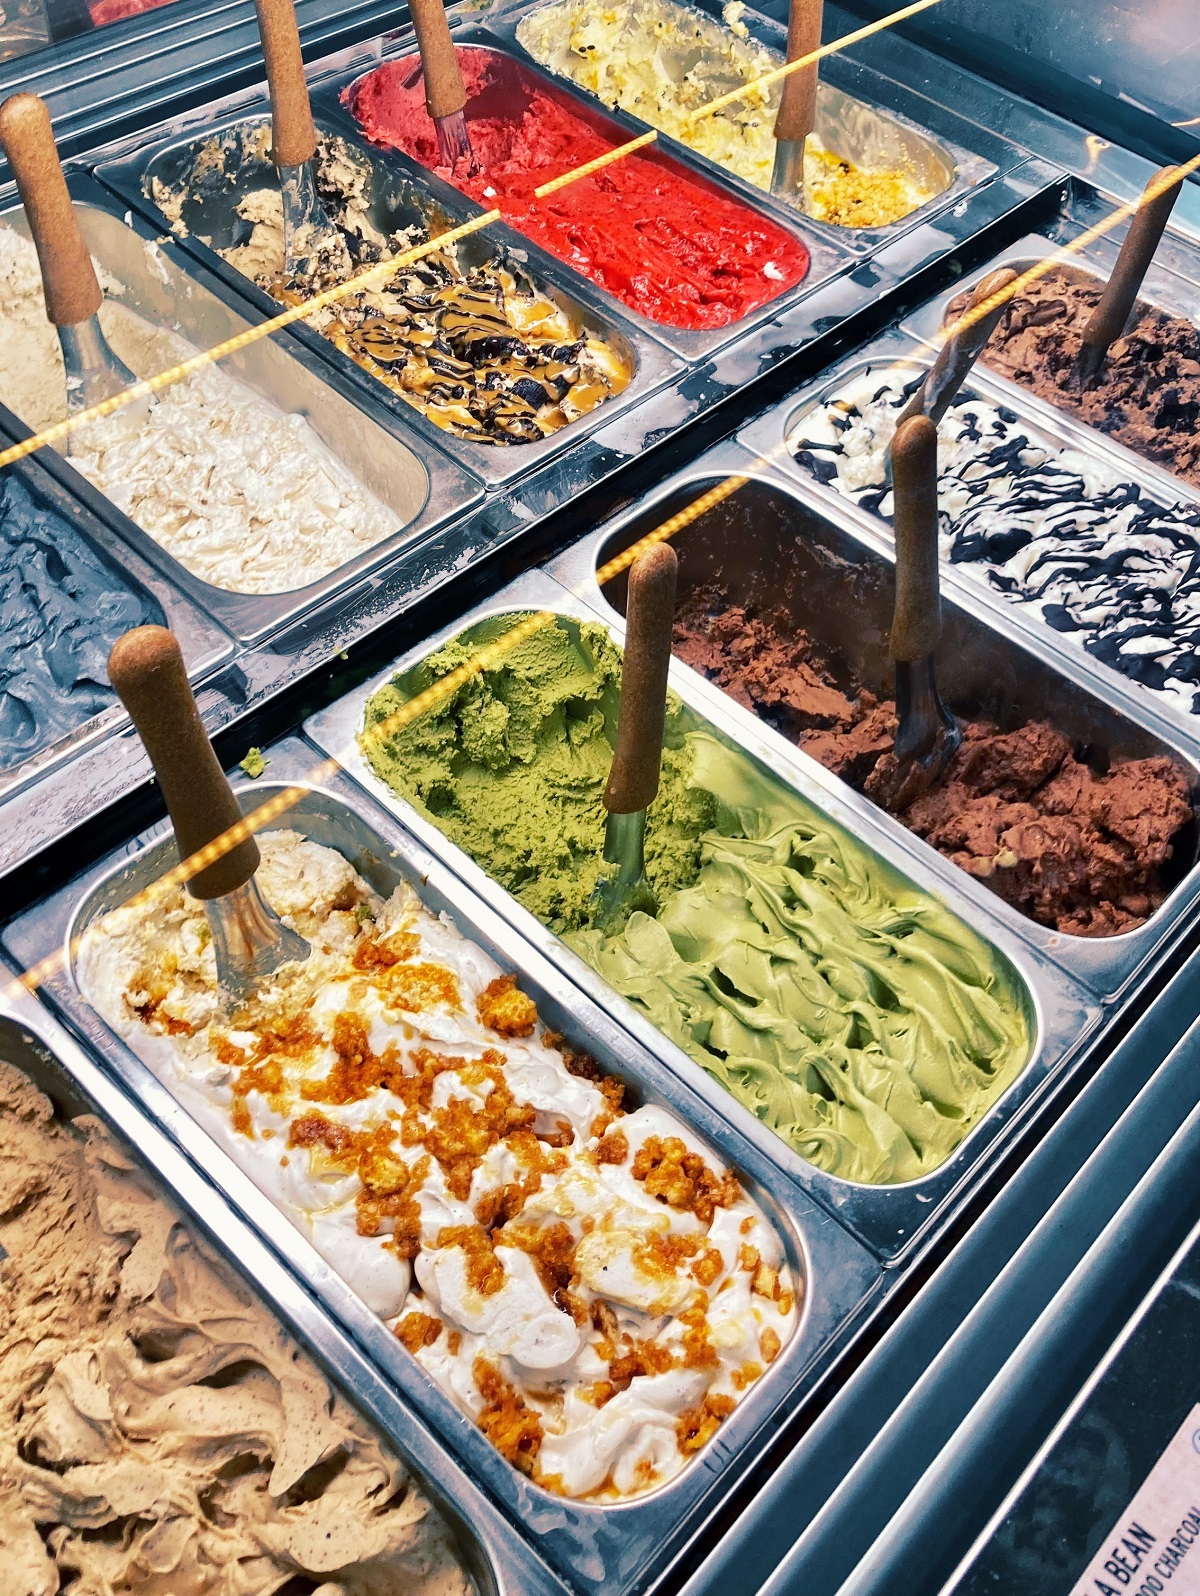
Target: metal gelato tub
pixel 499 1562
pixel 401 196
pixel 610 1548
pixel 891 1219
pixel 167 290
pixel 873 122
pixel 773 545
pixel 771 438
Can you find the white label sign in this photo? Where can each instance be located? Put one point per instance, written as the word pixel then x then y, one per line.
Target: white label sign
pixel 1155 1544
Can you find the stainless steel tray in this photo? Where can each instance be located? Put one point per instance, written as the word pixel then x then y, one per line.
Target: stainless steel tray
pixel 827 258
pixel 766 439
pixel 612 1549
pixel 500 1563
pixel 1171 294
pixel 890 1219
pixel 205 645
pixel 771 544
pixel 398 200
pixel 861 115
pixel 425 490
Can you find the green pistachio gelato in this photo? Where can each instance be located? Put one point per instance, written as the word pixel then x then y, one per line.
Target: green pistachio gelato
pixel 849 1011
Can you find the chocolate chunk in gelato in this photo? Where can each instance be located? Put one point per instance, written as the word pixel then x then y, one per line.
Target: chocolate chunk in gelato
pixel 160 1434
pixel 1081 849
pixel 1148 394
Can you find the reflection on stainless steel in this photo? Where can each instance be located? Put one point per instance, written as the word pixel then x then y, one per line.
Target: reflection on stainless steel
pixel 606 1550
pixel 876 141
pixel 94 372
pixel 249 940
pixel 34 1043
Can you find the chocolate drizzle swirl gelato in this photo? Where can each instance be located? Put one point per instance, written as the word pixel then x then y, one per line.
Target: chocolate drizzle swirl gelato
pixel 479 349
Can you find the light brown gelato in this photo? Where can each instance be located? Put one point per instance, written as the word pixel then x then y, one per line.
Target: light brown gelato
pixel 160 1435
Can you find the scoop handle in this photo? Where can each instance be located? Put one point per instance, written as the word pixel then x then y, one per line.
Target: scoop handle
pixel 917 618
pixel 444 90
pixel 69 279
pixel 146 668
pixel 798 104
pixel 650 612
pixel 1107 321
pixel 961 350
pixel 293 132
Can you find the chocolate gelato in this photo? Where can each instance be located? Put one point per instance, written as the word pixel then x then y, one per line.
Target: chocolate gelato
pixel 1076 848
pixel 1148 394
pixel 160 1435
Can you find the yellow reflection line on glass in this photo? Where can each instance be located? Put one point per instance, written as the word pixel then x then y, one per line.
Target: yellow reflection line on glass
pixel 765 79
pixel 589 167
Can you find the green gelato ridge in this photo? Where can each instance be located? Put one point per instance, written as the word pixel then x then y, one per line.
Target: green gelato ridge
pixel 851 1012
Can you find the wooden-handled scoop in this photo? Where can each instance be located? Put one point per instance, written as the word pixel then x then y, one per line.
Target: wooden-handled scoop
pixel 797 115
pixel 147 671
pixel 69 282
pixel 637 760
pixel 445 93
pixel 309 237
pixel 1111 315
pixel 967 341
pixel 928 734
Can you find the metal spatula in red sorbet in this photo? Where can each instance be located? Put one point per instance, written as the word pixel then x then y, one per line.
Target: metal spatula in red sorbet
pixel 797 115
pixel 308 234
pixel 250 941
pixel 445 93
pixel 69 282
pixel 637 760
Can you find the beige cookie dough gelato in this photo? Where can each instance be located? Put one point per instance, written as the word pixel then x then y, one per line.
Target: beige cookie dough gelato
pixel 581 1276
pixel 242 494
pixel 160 1435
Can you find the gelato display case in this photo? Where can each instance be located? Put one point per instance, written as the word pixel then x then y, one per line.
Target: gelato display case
pixel 777 1182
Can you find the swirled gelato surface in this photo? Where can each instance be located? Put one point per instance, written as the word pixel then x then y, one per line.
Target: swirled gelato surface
pixel 663 61
pixel 589 1284
pixel 1055 531
pixel 1083 847
pixel 480 350
pixel 1148 393
pixel 241 494
pixel 867 1025
pixel 162 1435
pixel 665 243
pixel 62 607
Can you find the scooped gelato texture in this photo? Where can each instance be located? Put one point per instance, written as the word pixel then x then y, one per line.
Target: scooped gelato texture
pixel 62 607
pixel 665 243
pixel 160 1430
pixel 243 495
pixel 1055 531
pixel 590 1285
pixel 851 1012
pixel 1148 393
pixel 1076 848
pixel 663 61
pixel 480 350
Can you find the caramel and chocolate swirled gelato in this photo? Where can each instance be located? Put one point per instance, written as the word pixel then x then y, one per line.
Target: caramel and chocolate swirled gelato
pixel 479 349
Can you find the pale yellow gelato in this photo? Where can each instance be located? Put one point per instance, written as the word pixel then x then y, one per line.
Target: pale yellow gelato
pixel 662 61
